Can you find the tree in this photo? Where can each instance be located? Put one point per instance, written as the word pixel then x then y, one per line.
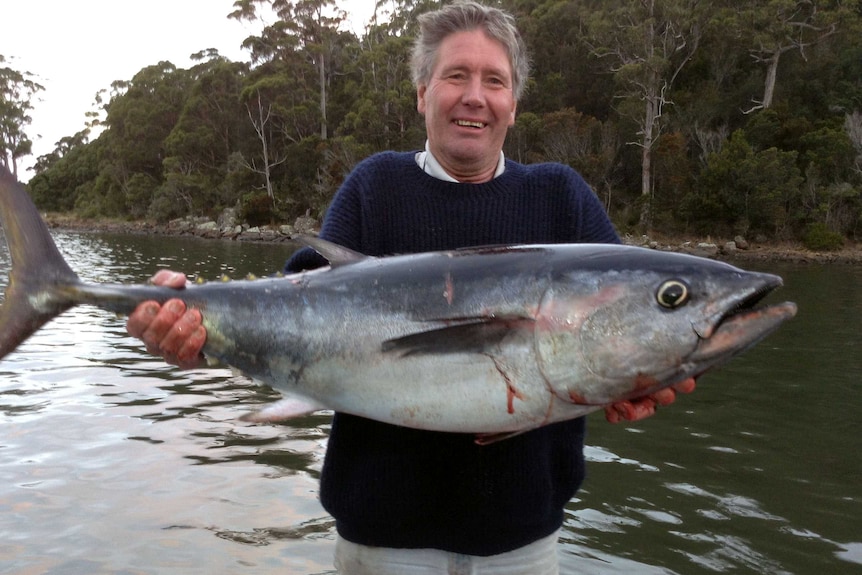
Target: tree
pixel 211 127
pixel 777 27
pixel 175 142
pixel 563 74
pixel 853 127
pixel 140 116
pixel 260 115
pixel 61 177
pixel 17 90
pixel 383 112
pixel 647 43
pixel 745 190
pixel 303 28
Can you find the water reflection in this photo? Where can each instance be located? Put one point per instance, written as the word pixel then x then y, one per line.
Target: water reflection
pixel 113 462
pixel 751 474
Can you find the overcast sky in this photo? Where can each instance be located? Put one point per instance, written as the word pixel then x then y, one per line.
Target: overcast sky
pixel 78 47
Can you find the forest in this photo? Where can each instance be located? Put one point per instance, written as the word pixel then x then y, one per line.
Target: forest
pixel 717 118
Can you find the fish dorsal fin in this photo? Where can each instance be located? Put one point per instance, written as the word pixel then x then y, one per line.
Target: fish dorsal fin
pixel 336 255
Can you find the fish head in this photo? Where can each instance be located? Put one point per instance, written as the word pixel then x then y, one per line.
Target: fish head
pixel 608 335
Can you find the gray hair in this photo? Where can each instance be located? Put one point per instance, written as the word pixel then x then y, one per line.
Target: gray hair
pixel 466 16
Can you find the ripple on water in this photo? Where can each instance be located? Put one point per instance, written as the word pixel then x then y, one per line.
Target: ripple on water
pixel 112 459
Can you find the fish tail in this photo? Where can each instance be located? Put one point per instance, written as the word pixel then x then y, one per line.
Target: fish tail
pixel 39 273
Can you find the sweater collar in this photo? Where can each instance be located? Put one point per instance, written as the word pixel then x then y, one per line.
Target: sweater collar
pixel 432 167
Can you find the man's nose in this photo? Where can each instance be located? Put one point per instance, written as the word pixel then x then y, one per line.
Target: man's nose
pixel 474 93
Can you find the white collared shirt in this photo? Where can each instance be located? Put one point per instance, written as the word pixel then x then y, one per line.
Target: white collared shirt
pixel 432 167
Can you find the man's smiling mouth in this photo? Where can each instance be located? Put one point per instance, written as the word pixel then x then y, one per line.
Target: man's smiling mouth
pixel 469 124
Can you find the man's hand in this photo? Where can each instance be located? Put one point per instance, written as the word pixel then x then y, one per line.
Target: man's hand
pixel 646 406
pixel 169 330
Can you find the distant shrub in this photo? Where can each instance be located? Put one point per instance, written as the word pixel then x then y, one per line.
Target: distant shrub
pixel 256 209
pixel 818 237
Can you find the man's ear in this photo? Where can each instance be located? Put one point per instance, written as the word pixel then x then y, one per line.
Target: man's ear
pixel 420 98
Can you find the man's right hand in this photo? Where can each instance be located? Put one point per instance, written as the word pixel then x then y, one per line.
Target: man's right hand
pixel 170 330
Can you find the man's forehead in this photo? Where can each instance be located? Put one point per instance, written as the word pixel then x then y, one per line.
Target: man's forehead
pixel 448 58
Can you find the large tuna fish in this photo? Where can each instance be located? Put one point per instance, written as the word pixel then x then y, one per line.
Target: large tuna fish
pixel 485 340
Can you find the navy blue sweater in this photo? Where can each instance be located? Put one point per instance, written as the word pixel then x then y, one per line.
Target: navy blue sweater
pixel 391 486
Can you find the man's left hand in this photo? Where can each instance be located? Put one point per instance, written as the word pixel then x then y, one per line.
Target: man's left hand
pixel 644 407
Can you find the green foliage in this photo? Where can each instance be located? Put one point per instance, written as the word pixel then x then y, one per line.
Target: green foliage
pixel 277 135
pixel 256 209
pixel 57 189
pixel 837 206
pixel 17 90
pixel 523 142
pixel 96 198
pixel 818 237
pixel 674 180
pixel 744 190
pixel 827 154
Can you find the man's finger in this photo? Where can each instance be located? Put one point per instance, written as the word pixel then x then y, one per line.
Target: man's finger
pixel 169 278
pixel 141 318
pixel 162 323
pixel 177 335
pixel 686 386
pixel 664 396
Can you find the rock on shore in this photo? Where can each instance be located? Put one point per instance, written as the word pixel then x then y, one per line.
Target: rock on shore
pixel 227 228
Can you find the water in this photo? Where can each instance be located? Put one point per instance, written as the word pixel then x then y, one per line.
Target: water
pixel 112 462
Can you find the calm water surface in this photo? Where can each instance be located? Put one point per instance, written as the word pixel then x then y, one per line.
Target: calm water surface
pixel 113 462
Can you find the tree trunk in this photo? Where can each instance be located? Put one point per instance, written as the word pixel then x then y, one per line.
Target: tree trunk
pixel 771 75
pixel 651 118
pixel 322 71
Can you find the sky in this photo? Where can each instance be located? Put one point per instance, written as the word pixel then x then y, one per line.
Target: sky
pixel 75 48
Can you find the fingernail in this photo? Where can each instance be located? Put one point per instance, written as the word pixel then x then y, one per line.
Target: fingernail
pixel 199 333
pixel 175 306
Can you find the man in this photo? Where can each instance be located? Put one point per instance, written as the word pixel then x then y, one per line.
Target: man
pixel 411 501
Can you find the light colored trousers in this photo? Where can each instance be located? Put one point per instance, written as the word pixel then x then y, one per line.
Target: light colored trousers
pixel 537 558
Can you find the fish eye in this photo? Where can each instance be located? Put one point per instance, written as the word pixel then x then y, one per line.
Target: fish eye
pixel 672 294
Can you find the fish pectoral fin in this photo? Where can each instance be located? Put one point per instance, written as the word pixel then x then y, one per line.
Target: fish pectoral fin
pixel 475 336
pixel 282 410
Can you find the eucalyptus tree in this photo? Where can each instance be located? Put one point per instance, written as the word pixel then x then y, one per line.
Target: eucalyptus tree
pixel 383 113
pixel 853 127
pixel 308 29
pixel 67 174
pixel 401 15
pixel 775 27
pixel 295 59
pixel 140 115
pixel 211 128
pixel 17 90
pixel 563 73
pixel 744 190
pixel 646 44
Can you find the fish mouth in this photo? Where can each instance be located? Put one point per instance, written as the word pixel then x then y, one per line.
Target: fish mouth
pixel 741 325
pixel 743 304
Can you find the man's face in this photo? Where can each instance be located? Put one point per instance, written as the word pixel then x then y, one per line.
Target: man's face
pixel 468 105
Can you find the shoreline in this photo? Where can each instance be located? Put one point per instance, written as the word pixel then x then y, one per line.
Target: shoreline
pixel 725 250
